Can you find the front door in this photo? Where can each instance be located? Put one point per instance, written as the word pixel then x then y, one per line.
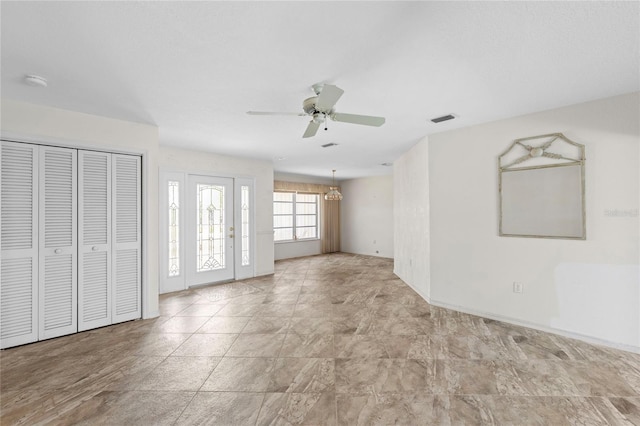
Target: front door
pixel 210 233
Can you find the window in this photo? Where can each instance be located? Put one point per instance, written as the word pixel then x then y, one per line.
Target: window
pixel 295 216
pixel 174 228
pixel 244 219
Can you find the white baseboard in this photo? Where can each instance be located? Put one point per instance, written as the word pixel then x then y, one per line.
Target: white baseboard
pixel 560 332
pixel 149 315
pixel 514 321
pixel 426 297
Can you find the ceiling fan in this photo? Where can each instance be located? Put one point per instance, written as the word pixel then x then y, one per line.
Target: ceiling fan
pixel 320 106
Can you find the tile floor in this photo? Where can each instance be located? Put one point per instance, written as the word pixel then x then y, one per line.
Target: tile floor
pixel 334 339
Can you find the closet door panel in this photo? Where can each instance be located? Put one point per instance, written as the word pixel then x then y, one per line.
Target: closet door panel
pixel 58 247
pixel 94 217
pixel 19 244
pixel 126 238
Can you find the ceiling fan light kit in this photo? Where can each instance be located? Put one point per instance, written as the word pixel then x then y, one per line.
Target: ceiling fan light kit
pixel 321 106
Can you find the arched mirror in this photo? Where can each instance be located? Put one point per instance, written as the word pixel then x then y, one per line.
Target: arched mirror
pixel 541 188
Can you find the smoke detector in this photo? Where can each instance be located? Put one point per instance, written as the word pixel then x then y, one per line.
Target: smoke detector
pixel 35 80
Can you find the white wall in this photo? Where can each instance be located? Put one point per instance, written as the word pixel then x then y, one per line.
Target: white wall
pixel 411 218
pixel 36 123
pixel 366 216
pixel 289 250
pixel 584 288
pixel 293 177
pixel 173 159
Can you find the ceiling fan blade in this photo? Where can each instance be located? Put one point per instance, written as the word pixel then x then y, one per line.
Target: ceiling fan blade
pixel 301 114
pixel 366 120
pixel 312 128
pixel 328 97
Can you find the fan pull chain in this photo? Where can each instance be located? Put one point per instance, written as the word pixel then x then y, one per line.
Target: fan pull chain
pixel 325 121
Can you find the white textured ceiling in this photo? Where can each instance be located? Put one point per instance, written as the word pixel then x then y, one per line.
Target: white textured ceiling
pixel 194 68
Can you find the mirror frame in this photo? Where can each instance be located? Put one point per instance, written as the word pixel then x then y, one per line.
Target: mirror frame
pixel 537 158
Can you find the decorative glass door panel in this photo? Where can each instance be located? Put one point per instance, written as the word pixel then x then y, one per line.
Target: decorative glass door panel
pixel 174 228
pixel 210 230
pixel 245 220
pixel 211 227
pixel 244 223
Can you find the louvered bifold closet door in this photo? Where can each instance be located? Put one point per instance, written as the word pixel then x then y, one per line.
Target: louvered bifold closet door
pixel 58 254
pixel 94 229
pixel 19 223
pixel 126 260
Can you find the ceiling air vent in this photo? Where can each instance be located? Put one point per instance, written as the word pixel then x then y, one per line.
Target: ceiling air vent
pixel 443 118
pixel 327 145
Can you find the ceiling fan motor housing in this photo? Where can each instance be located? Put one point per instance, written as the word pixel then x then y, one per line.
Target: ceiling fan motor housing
pixel 309 106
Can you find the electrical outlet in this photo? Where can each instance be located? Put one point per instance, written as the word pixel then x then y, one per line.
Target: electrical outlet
pixel 518 287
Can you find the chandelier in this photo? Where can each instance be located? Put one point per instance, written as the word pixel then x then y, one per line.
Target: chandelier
pixel 333 194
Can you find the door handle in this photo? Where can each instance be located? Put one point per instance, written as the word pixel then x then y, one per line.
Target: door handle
pixel 230 235
pixel 94 248
pixel 57 251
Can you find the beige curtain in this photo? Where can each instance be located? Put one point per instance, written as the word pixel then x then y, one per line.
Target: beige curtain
pixel 330 232
pixel 330 226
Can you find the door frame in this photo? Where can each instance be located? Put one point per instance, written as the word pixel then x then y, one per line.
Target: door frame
pixel 180 282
